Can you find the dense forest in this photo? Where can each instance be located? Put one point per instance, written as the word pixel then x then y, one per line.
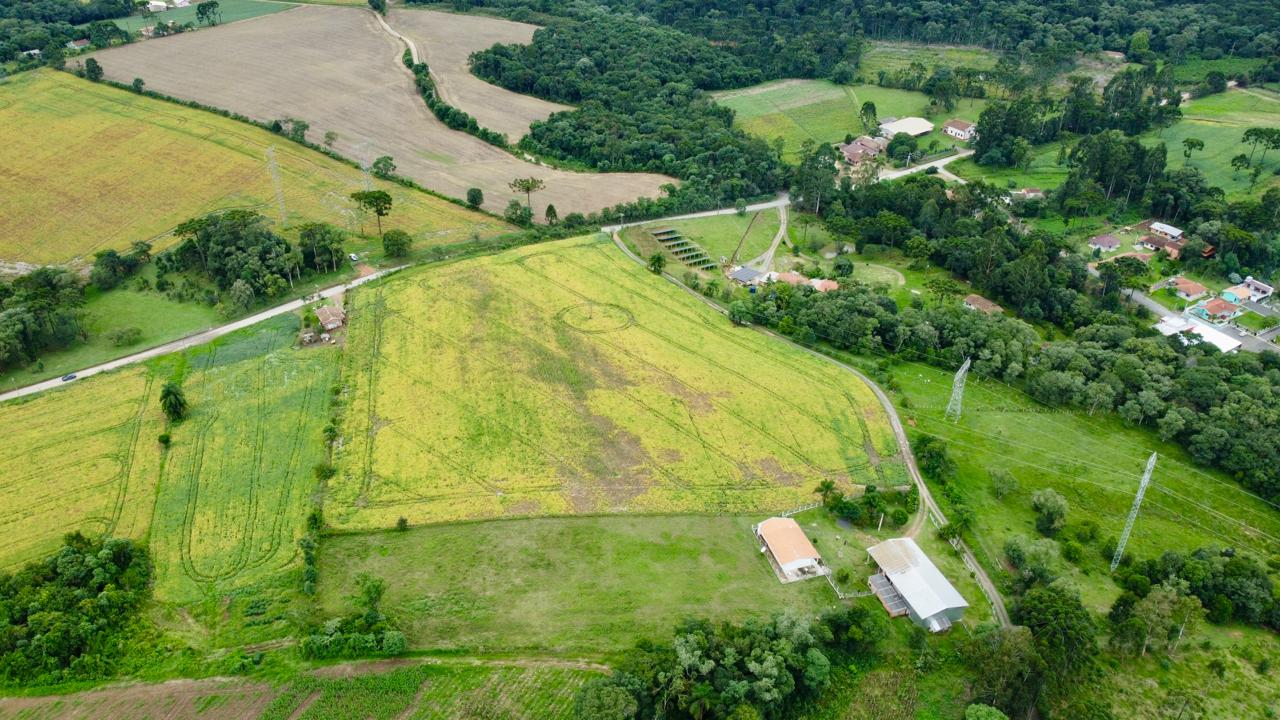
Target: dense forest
pixel 642 103
pixel 793 35
pixel 38 312
pixel 59 617
pixel 47 25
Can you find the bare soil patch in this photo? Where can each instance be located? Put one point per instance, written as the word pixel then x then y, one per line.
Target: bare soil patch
pixel 446 40
pixel 338 70
pixel 214 699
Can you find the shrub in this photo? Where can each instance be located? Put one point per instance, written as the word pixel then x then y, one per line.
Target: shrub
pixel 402 523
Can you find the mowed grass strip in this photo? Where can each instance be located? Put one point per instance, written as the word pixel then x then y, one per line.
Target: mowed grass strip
pixel 824 112
pixel 563 378
pixel 432 692
pixel 587 586
pixel 89 167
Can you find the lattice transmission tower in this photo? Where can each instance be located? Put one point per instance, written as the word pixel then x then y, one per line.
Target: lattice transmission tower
pixel 957 392
pixel 1133 512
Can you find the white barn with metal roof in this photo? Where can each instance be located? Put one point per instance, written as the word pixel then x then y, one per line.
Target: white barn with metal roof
pixel 910 584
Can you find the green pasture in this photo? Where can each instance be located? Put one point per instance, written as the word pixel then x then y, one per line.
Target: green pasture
pixel 1095 462
pixel 1193 70
pixel 732 236
pixel 890 56
pixel 824 112
pixel 565 586
pixel 1220 121
pixel 231 10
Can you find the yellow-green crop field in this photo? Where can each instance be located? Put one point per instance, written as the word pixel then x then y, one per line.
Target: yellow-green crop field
pixel 88 166
pixel 562 379
pixel 77 459
pixel 222 508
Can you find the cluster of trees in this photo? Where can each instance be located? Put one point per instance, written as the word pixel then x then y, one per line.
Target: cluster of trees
pixel 39 311
pixel 874 504
pixel 1228 584
pixel 762 668
pixel 246 260
pixel 642 106
pixel 110 267
pixel 943 85
pixel 48 25
pixel 366 631
pixel 59 617
pixel 1133 101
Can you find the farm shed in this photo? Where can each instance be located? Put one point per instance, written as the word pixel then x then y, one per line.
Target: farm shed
pixel 1105 243
pixel 330 317
pixel 1185 327
pixel 960 129
pixel 981 304
pixel 1166 231
pixel 789 551
pixel 910 584
pixel 913 126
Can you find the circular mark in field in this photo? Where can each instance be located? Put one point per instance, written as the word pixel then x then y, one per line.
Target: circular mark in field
pixel 596 317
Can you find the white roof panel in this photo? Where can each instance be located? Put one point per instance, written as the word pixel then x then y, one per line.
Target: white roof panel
pixel 916 578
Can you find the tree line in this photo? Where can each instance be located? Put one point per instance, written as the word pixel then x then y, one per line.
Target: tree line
pixel 48 25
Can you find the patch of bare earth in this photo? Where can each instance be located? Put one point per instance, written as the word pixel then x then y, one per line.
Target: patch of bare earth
pixel 214 699
pixel 338 70
pixel 447 40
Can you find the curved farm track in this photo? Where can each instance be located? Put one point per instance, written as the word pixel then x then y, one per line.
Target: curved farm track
pixel 337 69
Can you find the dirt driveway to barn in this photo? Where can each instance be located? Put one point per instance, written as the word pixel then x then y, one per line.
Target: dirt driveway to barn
pixel 338 70
pixel 447 41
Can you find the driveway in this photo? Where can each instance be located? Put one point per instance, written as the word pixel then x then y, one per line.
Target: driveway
pixel 198 339
pixel 939 164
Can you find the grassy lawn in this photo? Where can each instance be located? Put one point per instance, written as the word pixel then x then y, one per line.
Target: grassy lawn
pixel 1220 121
pixel 1193 70
pixel 232 10
pixel 889 56
pixel 740 237
pixel 819 110
pixel 567 586
pixel 159 318
pixel 1255 322
pixel 1044 172
pixel 562 379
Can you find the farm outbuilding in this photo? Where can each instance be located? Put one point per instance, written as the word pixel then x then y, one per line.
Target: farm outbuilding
pixel 913 126
pixel 789 551
pixel 910 584
pixel 330 317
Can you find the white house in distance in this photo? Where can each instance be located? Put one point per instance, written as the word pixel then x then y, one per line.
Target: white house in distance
pixel 1104 243
pixel 1188 289
pixel 789 551
pixel 960 129
pixel 156 6
pixel 913 126
pixel 910 584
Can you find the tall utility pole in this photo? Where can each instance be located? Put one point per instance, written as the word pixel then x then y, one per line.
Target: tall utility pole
pixel 275 181
pixel 957 392
pixel 1133 512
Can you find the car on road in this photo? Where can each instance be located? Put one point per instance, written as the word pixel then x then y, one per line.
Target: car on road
pixel 354 257
pixel 68 377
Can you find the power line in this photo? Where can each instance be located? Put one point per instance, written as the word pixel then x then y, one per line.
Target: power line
pixel 954 407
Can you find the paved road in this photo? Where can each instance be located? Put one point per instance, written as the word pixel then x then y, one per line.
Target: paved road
pixel 940 164
pixel 782 200
pixel 929 509
pixel 198 339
